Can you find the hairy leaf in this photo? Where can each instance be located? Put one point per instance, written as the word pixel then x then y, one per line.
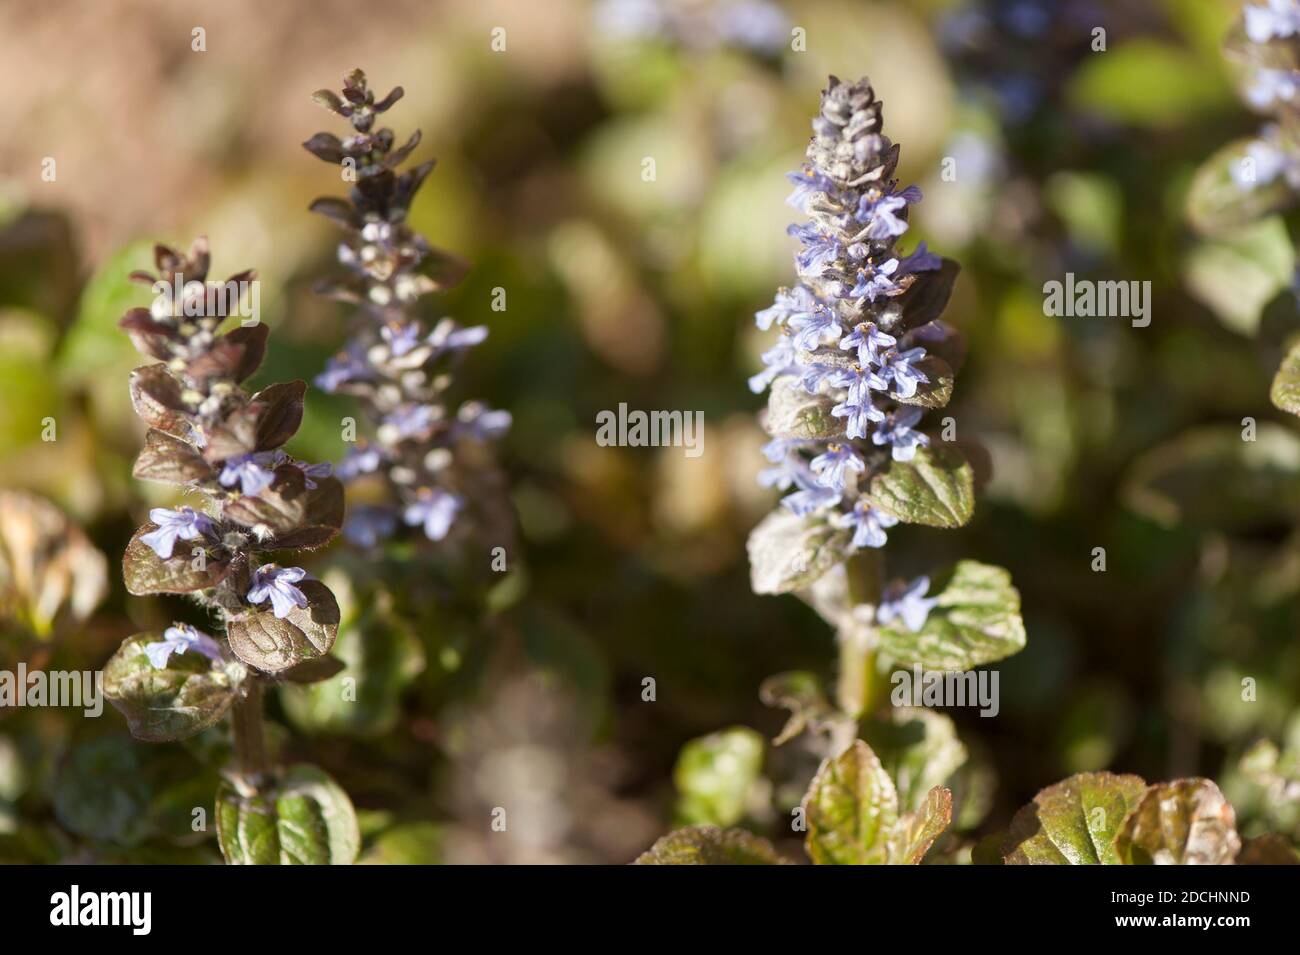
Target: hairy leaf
pixel 851 809
pixel 304 819
pixel 186 697
pixel 916 831
pixel 281 416
pixel 156 397
pixel 793 413
pixel 146 573
pixel 288 516
pixel 976 621
pixel 1184 822
pixel 170 460
pixel 787 552
pixel 272 644
pixel 233 356
pixel 709 845
pixel 929 294
pixel 1073 822
pixel 918 748
pixel 936 488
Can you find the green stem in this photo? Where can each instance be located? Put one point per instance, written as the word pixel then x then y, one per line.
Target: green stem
pixel 860 686
pixel 248 732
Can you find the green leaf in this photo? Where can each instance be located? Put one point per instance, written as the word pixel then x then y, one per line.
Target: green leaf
pixel 851 809
pixel 184 698
pixel 936 488
pixel 918 748
pixel 304 819
pixel 146 573
pixel 1285 393
pixel 976 621
pixel 1147 82
pixel 716 775
pixel 787 552
pixel 793 413
pixel 271 644
pixel 1184 822
pixel 916 831
pixel 1217 203
pixel 1073 822
pixel 1210 477
pixel 709 845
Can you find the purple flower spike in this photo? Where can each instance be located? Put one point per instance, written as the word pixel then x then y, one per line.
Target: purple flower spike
pixel 184 523
pixel 277 584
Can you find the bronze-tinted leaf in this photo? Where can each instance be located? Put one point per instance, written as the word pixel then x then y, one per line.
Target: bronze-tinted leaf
pixel 156 397
pixel 234 436
pixel 1184 822
pixel 287 515
pixel 147 573
pixel 709 845
pixel 170 460
pixel 338 211
pixel 929 294
pixel 325 146
pixel 183 698
pixel 281 416
pixel 234 356
pixel 330 101
pixel 272 644
pixel 1073 822
pixel 387 103
pixel 314 670
pixel 149 336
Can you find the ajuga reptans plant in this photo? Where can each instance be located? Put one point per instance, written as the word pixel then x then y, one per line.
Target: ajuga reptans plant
pixel 437 475
pixel 861 358
pixel 250 509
